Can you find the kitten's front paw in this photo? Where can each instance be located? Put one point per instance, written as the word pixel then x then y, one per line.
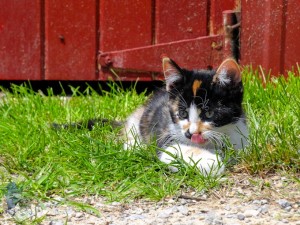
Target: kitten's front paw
pixel 208 163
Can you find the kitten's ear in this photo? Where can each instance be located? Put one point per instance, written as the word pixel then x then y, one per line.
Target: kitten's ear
pixel 228 72
pixel 172 72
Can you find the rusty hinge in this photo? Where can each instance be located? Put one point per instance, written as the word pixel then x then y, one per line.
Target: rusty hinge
pixel 103 60
pixel 232 22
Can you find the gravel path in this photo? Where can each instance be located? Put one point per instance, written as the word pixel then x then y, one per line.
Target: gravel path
pixel 245 200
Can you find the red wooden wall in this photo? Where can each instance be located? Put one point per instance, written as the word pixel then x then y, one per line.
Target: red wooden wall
pixel 84 39
pixel 270 34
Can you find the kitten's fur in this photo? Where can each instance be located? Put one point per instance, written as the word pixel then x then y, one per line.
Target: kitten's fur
pixel 192 116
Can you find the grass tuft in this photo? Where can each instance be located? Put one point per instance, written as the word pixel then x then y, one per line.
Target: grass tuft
pixel 273 110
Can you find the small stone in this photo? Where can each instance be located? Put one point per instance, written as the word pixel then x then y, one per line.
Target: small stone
pixel 288 208
pixel 58 222
pixel 264 209
pixel 174 209
pixel 115 203
pixel 264 201
pixel 283 203
pixel 227 208
pixel 138 211
pixel 171 201
pixel 241 217
pixel 165 213
pixel 136 217
pixel 231 215
pixel 79 215
pixel 284 221
pixel 256 202
pixel 183 210
pixel 251 213
pixel 217 222
pixel 183 201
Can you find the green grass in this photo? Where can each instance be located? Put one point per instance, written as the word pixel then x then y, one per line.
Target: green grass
pixel 46 162
pixel 273 111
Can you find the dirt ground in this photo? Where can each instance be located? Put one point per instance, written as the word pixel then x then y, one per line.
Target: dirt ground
pixel 243 200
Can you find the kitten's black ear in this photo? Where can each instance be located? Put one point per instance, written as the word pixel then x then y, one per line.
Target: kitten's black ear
pixel 228 73
pixel 172 72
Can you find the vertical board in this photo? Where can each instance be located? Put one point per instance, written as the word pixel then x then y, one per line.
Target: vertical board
pixel 216 18
pixel 262 34
pixel 125 24
pixel 20 40
pixel 70 47
pixel 180 20
pixel 292 41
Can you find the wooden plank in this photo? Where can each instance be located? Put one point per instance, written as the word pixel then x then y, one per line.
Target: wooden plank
pixel 20 40
pixel 180 20
pixel 262 34
pixel 70 47
pixel 143 60
pixel 291 54
pixel 125 24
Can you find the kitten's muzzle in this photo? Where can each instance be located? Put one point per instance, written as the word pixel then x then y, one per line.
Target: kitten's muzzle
pixel 195 138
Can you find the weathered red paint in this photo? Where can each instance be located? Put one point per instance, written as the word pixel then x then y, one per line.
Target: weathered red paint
pixel 270 31
pixel 180 20
pixel 291 45
pixel 125 24
pixel 70 40
pixel 20 40
pixel 143 60
pixel 60 39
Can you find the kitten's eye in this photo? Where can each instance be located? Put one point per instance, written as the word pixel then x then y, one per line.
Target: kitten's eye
pixel 183 114
pixel 209 114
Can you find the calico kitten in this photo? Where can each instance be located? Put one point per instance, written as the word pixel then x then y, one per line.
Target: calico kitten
pixel 191 118
pixel 193 115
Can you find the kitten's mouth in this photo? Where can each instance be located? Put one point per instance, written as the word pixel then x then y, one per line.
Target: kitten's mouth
pixel 198 139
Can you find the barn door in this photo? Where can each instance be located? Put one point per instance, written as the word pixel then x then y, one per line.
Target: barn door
pixel 102 39
pixel 134 35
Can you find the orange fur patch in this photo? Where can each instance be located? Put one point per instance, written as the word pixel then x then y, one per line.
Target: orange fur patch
pixel 194 151
pixel 196 85
pixel 186 126
pixel 203 127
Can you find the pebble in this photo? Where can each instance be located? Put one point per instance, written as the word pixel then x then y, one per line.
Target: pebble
pixel 241 217
pixel 183 210
pixel 56 222
pixel 115 203
pixel 135 217
pixel 264 209
pixel 284 221
pixel 165 213
pixel 227 208
pixel 251 213
pixel 288 208
pixel 283 203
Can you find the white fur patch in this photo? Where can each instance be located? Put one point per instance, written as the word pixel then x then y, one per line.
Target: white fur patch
pixel 223 77
pixel 237 133
pixel 193 113
pixel 132 131
pixel 193 128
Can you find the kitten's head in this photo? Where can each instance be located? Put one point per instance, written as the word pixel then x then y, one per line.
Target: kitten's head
pixel 204 101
